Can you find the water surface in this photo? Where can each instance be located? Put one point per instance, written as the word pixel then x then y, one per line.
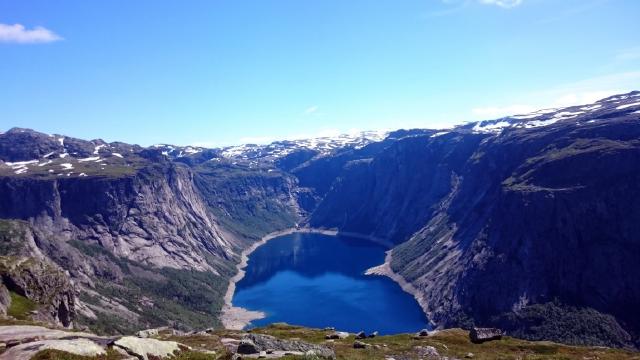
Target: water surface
pixel 318 280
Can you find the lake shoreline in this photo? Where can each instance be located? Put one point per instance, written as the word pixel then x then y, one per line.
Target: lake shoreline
pixel 385 270
pixel 234 317
pixel 237 318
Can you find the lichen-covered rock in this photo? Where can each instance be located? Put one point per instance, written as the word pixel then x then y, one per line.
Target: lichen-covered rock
pixel 82 347
pixel 267 342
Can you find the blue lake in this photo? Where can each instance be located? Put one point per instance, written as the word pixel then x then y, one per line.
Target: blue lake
pixel 318 280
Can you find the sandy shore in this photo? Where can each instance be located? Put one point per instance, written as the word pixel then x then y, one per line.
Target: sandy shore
pixel 236 318
pixel 385 270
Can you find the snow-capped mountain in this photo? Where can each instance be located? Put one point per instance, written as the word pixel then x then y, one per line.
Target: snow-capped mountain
pixel 322 145
pixel 591 113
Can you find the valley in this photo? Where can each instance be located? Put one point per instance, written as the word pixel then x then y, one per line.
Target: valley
pixel 527 223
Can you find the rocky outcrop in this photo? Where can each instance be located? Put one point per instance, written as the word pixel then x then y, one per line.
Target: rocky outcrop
pixel 42 283
pixel 256 343
pixel 480 335
pixel 148 348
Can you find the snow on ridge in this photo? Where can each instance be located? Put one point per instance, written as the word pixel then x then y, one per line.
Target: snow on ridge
pixel 119 155
pixel 324 145
pixel 20 164
pixel 439 134
pixel 67 166
pixel 493 127
pixel 621 107
pixel 93 158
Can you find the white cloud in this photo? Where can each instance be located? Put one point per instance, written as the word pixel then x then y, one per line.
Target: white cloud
pixel 17 33
pixel 502 3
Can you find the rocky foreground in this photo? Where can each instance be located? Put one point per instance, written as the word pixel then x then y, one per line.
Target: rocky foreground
pixel 23 342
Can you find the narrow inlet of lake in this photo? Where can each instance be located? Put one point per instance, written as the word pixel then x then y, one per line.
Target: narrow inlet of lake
pixel 318 281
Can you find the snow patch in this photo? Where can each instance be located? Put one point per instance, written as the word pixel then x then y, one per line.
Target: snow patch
pixel 117 155
pixel 591 108
pixel 439 134
pixel 493 128
pixel 621 107
pixel 96 150
pixel 93 158
pixel 66 166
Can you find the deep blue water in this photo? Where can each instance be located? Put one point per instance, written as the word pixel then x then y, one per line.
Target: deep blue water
pixel 318 280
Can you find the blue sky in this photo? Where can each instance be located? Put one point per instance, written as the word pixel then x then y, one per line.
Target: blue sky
pixel 216 72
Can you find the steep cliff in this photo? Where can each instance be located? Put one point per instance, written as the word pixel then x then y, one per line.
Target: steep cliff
pixel 141 244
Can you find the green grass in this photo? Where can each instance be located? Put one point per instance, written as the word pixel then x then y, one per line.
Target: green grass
pixel 20 306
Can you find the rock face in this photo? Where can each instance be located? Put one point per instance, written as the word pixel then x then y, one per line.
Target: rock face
pixel 32 278
pixel 480 335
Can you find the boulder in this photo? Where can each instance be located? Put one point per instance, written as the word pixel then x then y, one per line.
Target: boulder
pixel 247 346
pixel 428 352
pixel 360 345
pixel 148 348
pixel 479 335
pixel 361 335
pixel 423 332
pixel 80 346
pixel 373 334
pixel 275 345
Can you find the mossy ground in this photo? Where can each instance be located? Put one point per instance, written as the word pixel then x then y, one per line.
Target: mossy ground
pixel 20 306
pixel 452 343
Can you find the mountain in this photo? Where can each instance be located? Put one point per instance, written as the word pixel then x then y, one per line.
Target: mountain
pixel 527 222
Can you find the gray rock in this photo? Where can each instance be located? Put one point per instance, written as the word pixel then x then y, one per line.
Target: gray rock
pixel 266 342
pixel 479 335
pixel 247 346
pixel 360 345
pixel 428 352
pixel 373 334
pixel 423 332
pixel 148 348
pixel 80 346
pixel 361 335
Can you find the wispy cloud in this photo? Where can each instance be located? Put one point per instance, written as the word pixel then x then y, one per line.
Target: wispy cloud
pixel 312 109
pixel 18 34
pixel 502 3
pixel 456 6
